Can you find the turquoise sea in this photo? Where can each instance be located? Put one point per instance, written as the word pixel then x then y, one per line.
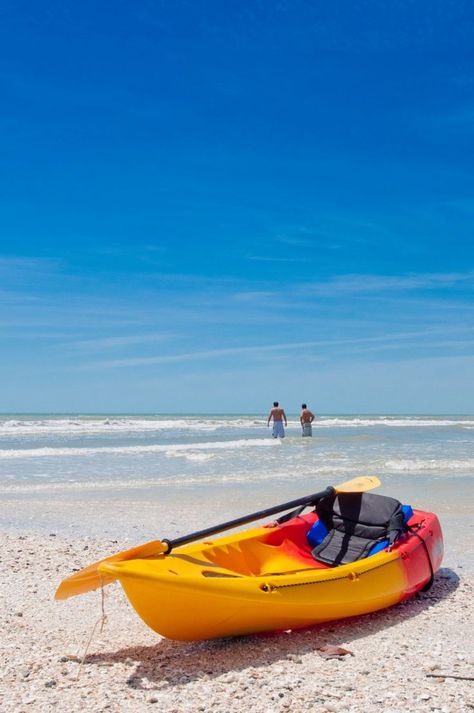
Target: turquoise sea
pixel 47 452
pixel 136 477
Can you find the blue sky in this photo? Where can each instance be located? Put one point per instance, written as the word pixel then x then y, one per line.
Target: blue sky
pixel 206 206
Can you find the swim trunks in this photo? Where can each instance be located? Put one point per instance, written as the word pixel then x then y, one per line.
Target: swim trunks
pixel 307 429
pixel 278 430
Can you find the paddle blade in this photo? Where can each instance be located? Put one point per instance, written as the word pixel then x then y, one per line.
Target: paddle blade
pixel 358 485
pixel 89 578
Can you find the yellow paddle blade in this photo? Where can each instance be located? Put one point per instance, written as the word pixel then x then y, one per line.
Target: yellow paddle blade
pixel 358 485
pixel 90 578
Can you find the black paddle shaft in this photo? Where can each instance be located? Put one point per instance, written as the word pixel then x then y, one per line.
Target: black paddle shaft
pixel 308 500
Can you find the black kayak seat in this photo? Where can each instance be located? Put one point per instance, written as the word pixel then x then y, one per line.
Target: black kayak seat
pixel 356 522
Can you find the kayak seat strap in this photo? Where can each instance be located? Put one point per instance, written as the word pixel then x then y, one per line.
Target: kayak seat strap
pixel 356 523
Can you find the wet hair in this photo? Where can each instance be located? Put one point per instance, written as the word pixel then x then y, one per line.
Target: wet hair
pixel 275 403
pixel 303 406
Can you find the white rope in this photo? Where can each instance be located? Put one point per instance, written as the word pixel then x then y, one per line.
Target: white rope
pixel 102 621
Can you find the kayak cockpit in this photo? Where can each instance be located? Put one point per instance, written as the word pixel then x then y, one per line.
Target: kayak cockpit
pixel 344 528
pixel 280 549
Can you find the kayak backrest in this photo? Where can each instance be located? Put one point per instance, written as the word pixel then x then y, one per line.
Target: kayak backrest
pixel 355 523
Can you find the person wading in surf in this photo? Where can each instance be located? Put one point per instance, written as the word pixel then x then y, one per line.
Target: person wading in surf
pixel 306 419
pixel 278 415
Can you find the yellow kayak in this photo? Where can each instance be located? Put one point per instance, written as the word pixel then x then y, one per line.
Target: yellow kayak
pixel 355 553
pixel 267 579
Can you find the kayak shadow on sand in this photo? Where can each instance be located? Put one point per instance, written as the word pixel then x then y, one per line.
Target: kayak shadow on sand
pixel 168 663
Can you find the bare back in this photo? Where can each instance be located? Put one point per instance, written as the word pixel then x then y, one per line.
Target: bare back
pixel 306 416
pixel 277 414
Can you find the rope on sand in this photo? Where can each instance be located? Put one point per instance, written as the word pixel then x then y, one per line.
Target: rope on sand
pixel 102 620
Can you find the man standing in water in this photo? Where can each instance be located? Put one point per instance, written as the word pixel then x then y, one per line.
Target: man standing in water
pixel 278 415
pixel 306 419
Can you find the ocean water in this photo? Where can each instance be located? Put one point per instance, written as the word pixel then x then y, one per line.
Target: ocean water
pixel 76 452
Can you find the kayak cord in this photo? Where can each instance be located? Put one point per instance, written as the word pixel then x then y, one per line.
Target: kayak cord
pixel 294 513
pixel 326 581
pixel 429 584
pixel 101 620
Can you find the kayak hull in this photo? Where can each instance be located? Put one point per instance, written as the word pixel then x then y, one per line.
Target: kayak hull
pixel 195 610
pixel 265 579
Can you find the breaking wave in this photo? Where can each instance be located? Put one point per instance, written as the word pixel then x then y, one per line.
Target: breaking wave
pixel 169 450
pixel 81 425
pixel 429 465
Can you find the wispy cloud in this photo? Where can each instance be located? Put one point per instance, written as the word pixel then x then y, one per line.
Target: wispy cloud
pixel 275 258
pixel 17 268
pixel 16 297
pixel 126 340
pixel 191 356
pixel 255 296
pixel 379 340
pixel 346 284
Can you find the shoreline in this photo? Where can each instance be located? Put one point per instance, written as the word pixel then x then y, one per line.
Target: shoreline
pixel 147 512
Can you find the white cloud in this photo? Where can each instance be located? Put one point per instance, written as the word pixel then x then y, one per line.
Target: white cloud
pixel 21 265
pixel 119 341
pixel 383 341
pixel 345 284
pixel 275 258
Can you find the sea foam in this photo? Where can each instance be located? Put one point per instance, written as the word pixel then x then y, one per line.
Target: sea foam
pixel 51 452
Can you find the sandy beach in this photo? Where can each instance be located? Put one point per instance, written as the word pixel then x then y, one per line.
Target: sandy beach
pixel 237 272
pixel 414 655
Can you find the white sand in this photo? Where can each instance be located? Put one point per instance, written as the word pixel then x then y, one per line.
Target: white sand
pixel 130 668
